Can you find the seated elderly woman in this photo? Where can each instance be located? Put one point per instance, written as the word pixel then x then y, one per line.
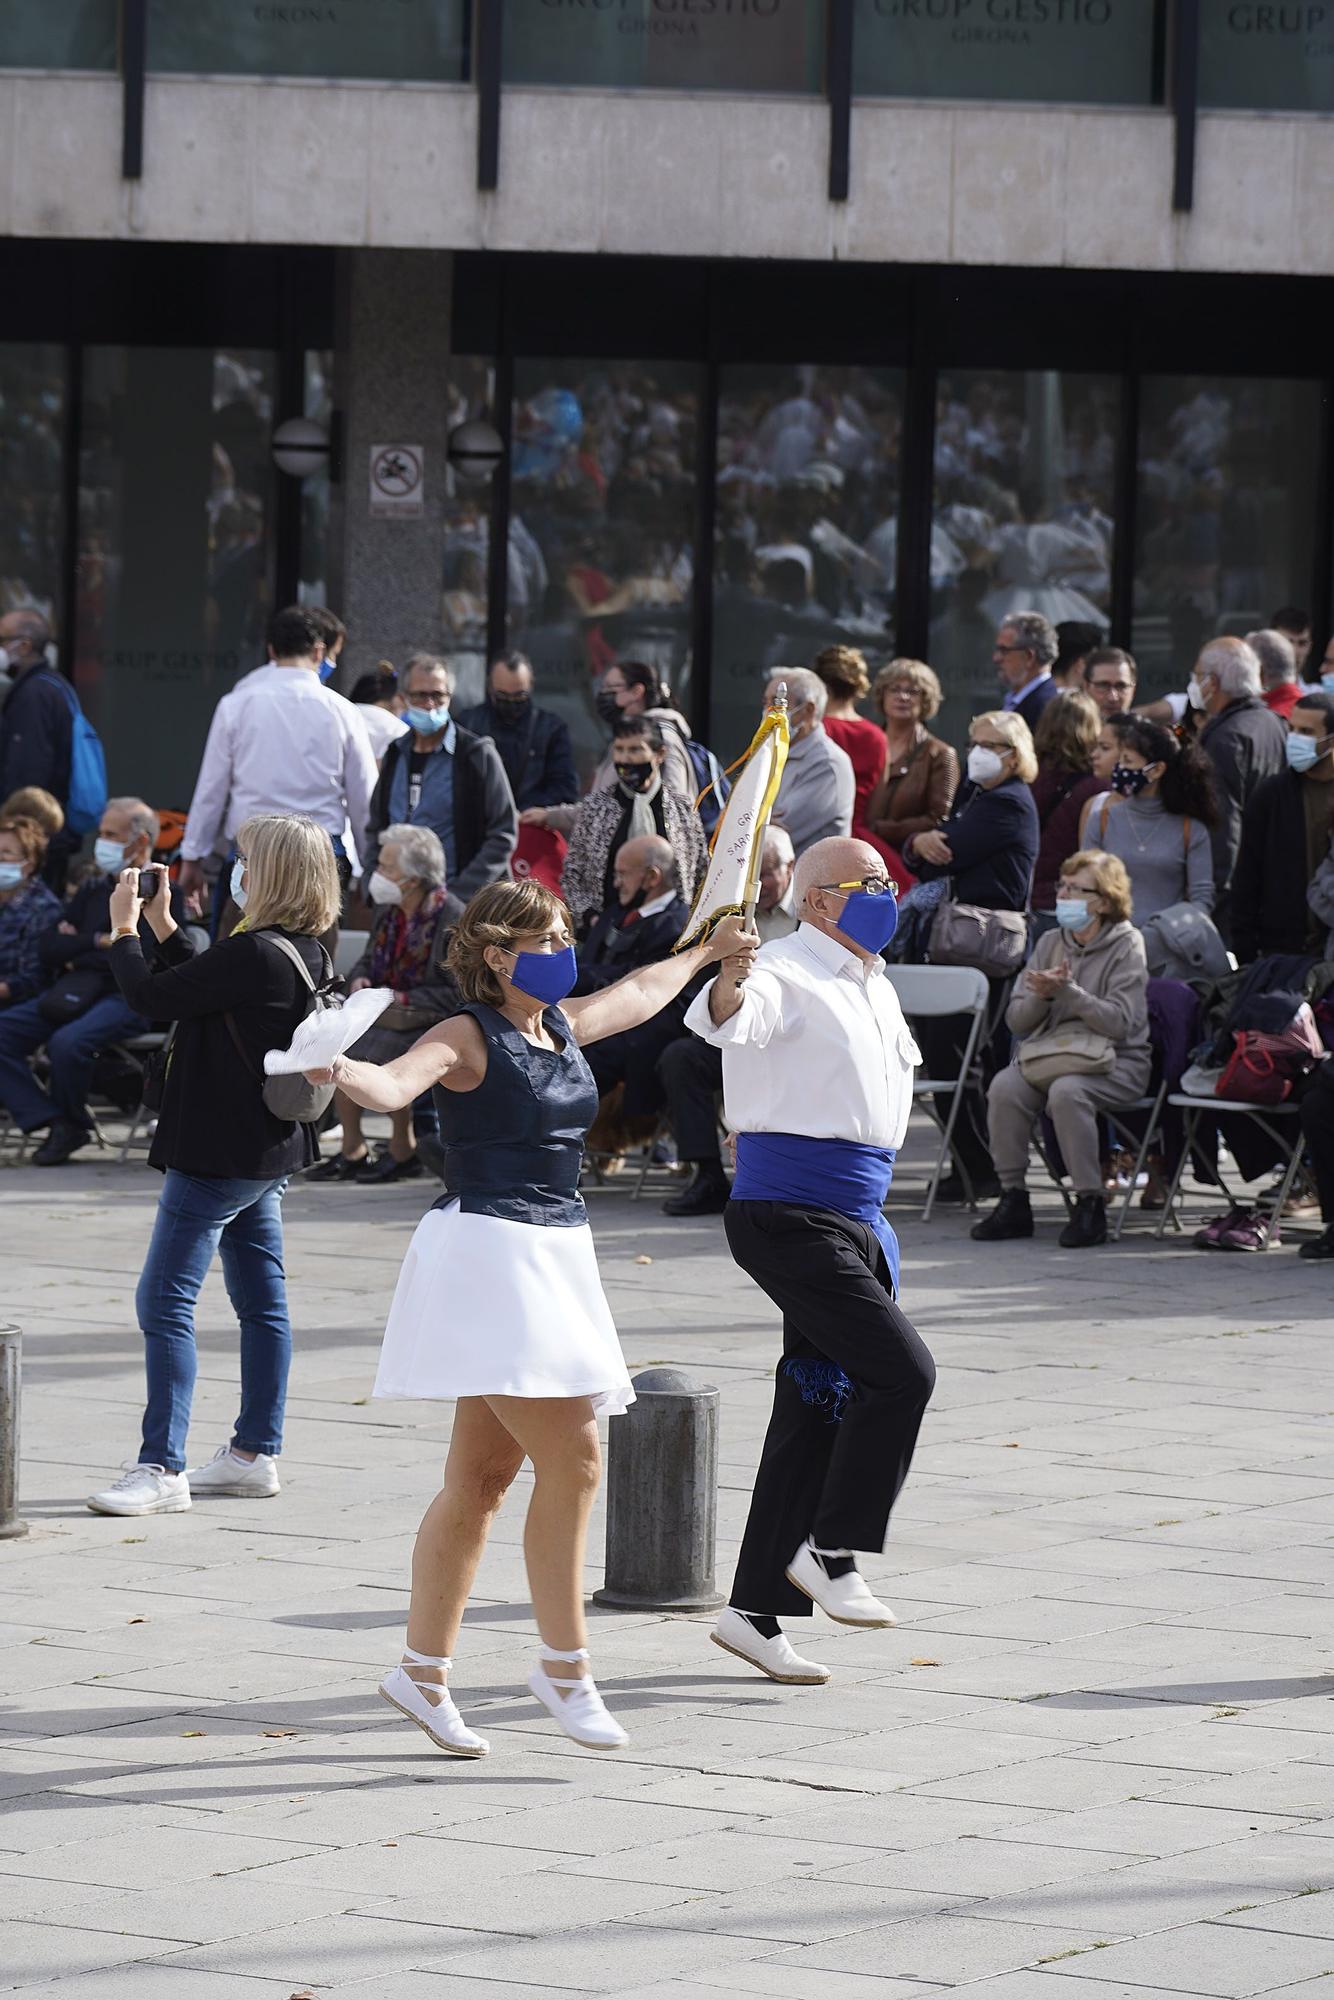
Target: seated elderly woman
pixel 406 952
pixel 27 909
pixel 1081 1010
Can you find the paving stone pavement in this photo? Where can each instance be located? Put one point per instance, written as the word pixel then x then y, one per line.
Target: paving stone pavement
pixel 1095 1760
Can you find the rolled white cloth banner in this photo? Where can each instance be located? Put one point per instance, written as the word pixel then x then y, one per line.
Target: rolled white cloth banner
pixel 327 1032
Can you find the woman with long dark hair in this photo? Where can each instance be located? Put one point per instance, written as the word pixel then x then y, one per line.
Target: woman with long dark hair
pixel 1160 819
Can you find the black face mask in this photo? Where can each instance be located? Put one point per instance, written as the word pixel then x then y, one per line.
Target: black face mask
pixel 1128 780
pixel 634 777
pixel 511 707
pixel 607 706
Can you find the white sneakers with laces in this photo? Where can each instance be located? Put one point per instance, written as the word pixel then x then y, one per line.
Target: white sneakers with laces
pixel 143 1489
pixel 243 1478
pixel 576 1703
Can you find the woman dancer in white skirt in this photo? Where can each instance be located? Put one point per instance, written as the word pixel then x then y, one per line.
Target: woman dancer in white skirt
pixel 499 1303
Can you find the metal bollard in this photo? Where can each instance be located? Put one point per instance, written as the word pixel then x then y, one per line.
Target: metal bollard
pixel 662 1497
pixel 11 1348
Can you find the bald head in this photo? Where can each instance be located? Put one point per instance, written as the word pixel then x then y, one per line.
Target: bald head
pixel 834 860
pixel 644 868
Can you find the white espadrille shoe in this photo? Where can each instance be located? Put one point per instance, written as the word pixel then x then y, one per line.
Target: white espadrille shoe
pixel 576 1704
pixel 431 1706
pixel 846 1599
pixel 775 1657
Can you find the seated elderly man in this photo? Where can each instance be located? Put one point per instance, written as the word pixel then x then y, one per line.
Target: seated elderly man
pixel 79 1011
pixel 818 787
pixel 638 929
pixel 406 952
pixel 691 1070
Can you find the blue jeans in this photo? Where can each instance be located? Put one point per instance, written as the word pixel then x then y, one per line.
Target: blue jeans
pixel 72 1051
pixel 197 1215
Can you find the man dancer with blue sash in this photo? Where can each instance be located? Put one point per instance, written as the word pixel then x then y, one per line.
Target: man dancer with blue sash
pixel 817 1083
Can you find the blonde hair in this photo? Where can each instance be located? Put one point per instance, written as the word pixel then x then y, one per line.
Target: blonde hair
pixel 500 914
pixel 1109 872
pixel 843 671
pixel 30 838
pixel 924 683
pixel 31 802
pixel 1067 731
pixel 1011 729
pixel 292 875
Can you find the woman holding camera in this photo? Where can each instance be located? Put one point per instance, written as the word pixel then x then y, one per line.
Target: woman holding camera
pixel 225 1155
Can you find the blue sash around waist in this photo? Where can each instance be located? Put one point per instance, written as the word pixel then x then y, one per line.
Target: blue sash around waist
pixel 839 1174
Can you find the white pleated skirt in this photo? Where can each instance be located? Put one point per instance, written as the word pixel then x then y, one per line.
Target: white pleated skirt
pixel 486 1307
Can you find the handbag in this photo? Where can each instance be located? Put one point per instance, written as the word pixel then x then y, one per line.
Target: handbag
pixel 1069 1049
pixel 70 997
pixel 992 941
pixel 1263 1068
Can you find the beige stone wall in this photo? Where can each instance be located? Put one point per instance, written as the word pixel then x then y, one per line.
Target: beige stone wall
pixel 393 166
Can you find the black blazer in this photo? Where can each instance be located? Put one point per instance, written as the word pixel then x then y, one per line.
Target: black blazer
pixel 1269 908
pixel 613 947
pixel 994 840
pixel 1033 703
pixel 213 1121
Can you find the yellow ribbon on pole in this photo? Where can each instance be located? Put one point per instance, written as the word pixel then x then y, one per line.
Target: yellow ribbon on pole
pixel 731 882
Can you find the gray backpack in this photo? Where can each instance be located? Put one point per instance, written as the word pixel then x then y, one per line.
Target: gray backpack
pixel 292 1097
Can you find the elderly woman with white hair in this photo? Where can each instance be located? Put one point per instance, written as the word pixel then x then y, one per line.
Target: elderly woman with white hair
pixel 1243 740
pixel 819 786
pixel 406 953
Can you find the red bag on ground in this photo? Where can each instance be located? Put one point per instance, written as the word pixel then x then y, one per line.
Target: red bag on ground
pixel 539 856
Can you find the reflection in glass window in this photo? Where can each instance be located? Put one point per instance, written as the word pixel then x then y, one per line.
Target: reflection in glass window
pixel 1053 51
pixel 743 45
pixel 414 41
pixel 806 537
pixel 32 434
pixel 467 544
pixel 58 34
pixel 1263 57
pixel 1224 520
pixel 602 527
pixel 317 403
pixel 175 550
pixel 1021 513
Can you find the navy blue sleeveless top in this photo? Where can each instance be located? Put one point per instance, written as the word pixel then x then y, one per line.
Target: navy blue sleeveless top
pixel 513 1146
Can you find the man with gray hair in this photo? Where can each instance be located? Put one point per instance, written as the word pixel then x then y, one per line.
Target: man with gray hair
pixel 1279 683
pixel 1026 647
pixel 818 787
pixel 1243 741
pixel 80 1012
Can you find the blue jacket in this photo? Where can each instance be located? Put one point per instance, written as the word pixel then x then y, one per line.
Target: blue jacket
pixel 993 837
pixel 537 754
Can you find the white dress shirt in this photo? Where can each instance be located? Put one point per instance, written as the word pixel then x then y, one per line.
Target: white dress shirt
pixel 281 743
pixel 818 1047
pixel 381 726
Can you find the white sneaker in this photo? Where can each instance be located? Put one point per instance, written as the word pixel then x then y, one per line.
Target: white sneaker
pixel 431 1706
pixel 226 1473
pixel 775 1657
pixel 845 1599
pixel 577 1705
pixel 143 1489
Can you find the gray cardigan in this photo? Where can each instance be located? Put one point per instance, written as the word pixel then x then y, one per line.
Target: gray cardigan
pixel 1108 991
pixel 1167 862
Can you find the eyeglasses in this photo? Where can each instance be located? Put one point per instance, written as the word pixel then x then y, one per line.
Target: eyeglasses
pixel 872 885
pixel 1112 687
pixel 1012 649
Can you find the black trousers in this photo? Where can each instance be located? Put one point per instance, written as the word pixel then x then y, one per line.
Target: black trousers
pixel 1318 1126
pixel 824 1472
pixel 691 1073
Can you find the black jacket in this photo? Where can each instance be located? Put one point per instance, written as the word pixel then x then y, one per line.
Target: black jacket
pixel 89 911
pixel 1245 745
pixel 486 822
pixel 537 753
pixel 1031 707
pixel 36 730
pixel 1269 908
pixel 614 947
pixel 213 1121
pixel 994 840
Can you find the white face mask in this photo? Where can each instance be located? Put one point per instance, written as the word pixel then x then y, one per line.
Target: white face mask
pixel 4 659
pixel 984 764
pixel 1195 693
pixel 382 890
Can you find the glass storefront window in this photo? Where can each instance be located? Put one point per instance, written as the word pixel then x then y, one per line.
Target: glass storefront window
pixel 602 527
pixel 1260 57
pixel 175 550
pixel 742 45
pixel 415 41
pixel 806 534
pixel 467 548
pixel 316 403
pixel 1225 520
pixel 1022 514
pixel 1053 51
pixel 32 436
pixel 58 34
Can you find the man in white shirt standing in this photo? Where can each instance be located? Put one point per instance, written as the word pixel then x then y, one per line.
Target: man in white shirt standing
pixel 282 743
pixel 817 1083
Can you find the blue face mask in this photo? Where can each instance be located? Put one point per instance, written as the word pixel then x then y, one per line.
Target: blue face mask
pixel 870 920
pixel 547 976
pixel 237 886
pixel 109 855
pixel 426 721
pixel 1327 683
pixel 328 668
pixel 11 874
pixel 1072 912
pixel 1303 751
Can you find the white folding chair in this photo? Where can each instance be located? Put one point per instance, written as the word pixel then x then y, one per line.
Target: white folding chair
pixel 929 993
pixel 1282 1123
pixel 351 945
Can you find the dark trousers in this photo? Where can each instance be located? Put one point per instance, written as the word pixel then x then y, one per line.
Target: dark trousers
pixel 631 1058
pixel 942 1042
pixel 830 1474
pixel 1318 1127
pixel 691 1073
